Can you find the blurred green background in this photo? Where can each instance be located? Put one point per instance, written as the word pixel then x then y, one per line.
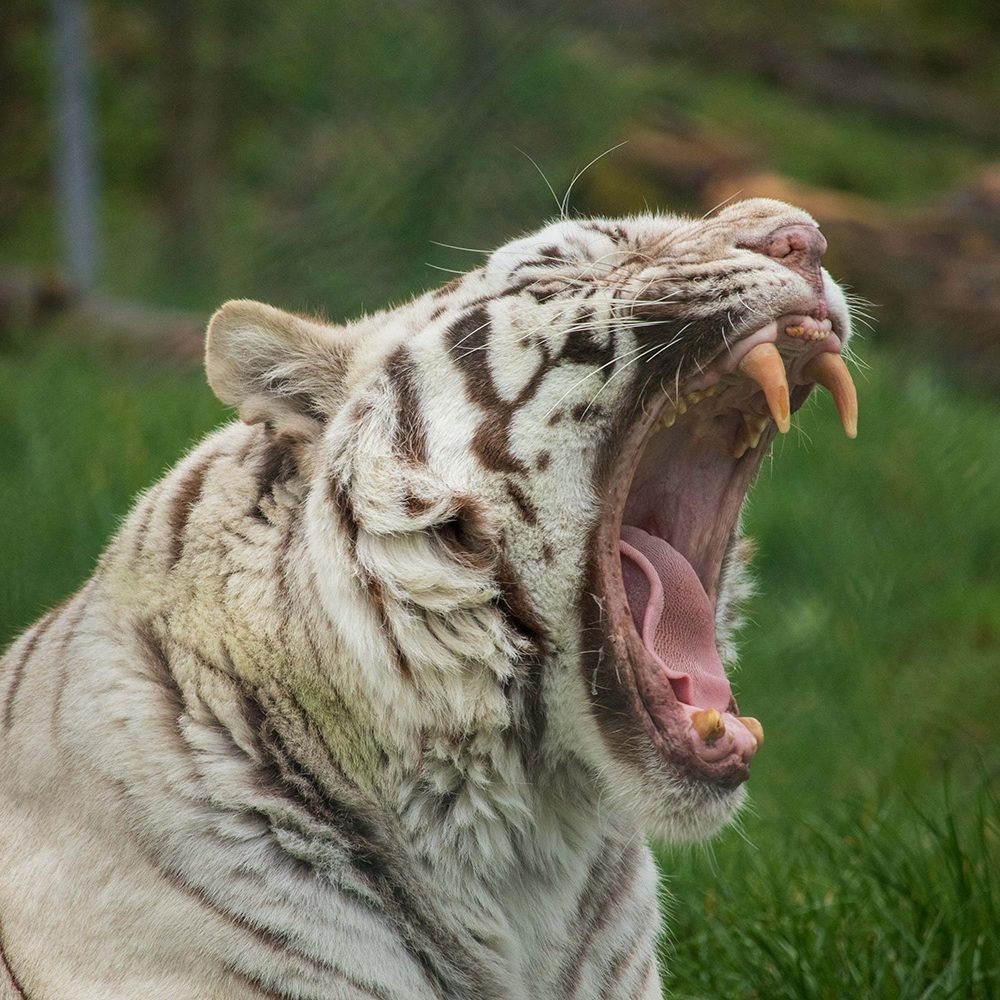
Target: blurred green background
pixel 317 155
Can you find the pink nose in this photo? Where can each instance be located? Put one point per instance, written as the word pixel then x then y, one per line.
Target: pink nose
pixel 799 247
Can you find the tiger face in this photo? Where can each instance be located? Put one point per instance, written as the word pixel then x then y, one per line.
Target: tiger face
pixel 522 494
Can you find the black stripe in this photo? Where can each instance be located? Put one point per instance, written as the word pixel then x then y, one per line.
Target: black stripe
pixel 527 510
pixel 410 439
pixel 276 942
pixel 339 496
pixel 260 988
pixel 277 465
pixel 381 887
pixel 448 288
pixel 606 886
pixel 519 613
pixel 163 675
pixel 467 337
pixel 7 972
pixel 269 992
pixel 583 347
pixel 39 631
pixel 623 963
pixel 68 632
pixel 281 559
pixel 183 501
pixel 146 515
pixel 447 966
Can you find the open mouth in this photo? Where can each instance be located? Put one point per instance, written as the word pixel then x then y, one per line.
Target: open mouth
pixel 677 490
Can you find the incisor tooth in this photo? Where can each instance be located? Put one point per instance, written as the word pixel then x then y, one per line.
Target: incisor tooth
pixel 829 371
pixel 708 724
pixel 756 729
pixel 764 365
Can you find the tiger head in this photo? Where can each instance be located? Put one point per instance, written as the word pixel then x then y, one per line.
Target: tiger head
pixel 522 493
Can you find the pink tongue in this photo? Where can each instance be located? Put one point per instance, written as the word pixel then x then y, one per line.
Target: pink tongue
pixel 674 617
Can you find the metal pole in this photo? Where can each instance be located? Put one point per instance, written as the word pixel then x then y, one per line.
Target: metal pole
pixel 73 154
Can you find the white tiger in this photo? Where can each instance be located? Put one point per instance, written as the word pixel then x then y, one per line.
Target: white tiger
pixel 378 693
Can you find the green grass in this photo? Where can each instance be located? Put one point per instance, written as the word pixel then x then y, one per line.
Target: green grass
pixel 81 436
pixel 857 901
pixel 871 661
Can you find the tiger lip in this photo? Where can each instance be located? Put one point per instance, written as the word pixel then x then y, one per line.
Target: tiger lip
pixel 739 399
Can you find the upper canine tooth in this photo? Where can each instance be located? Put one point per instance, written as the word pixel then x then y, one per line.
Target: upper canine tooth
pixel 829 371
pixel 669 417
pixel 708 724
pixel 764 365
pixel 794 331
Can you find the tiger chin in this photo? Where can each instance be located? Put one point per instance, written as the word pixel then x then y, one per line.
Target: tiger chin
pixel 378 693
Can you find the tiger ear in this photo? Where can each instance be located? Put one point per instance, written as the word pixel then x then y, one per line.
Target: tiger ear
pixel 275 367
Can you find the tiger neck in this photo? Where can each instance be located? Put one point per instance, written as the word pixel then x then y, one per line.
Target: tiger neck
pixel 450 755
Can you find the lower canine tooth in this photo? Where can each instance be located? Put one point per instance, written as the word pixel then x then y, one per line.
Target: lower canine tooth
pixel 756 729
pixel 708 724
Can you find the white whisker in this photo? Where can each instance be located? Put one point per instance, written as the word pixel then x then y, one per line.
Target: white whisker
pixel 565 202
pixel 555 197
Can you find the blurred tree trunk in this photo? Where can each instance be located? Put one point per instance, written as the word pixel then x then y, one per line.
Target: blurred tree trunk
pixel 195 39
pixel 74 162
pixel 186 162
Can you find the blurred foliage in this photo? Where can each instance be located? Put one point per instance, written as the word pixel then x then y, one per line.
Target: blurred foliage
pixel 311 153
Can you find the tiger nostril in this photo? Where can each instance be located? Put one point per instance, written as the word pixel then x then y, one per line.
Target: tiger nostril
pixel 805 244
